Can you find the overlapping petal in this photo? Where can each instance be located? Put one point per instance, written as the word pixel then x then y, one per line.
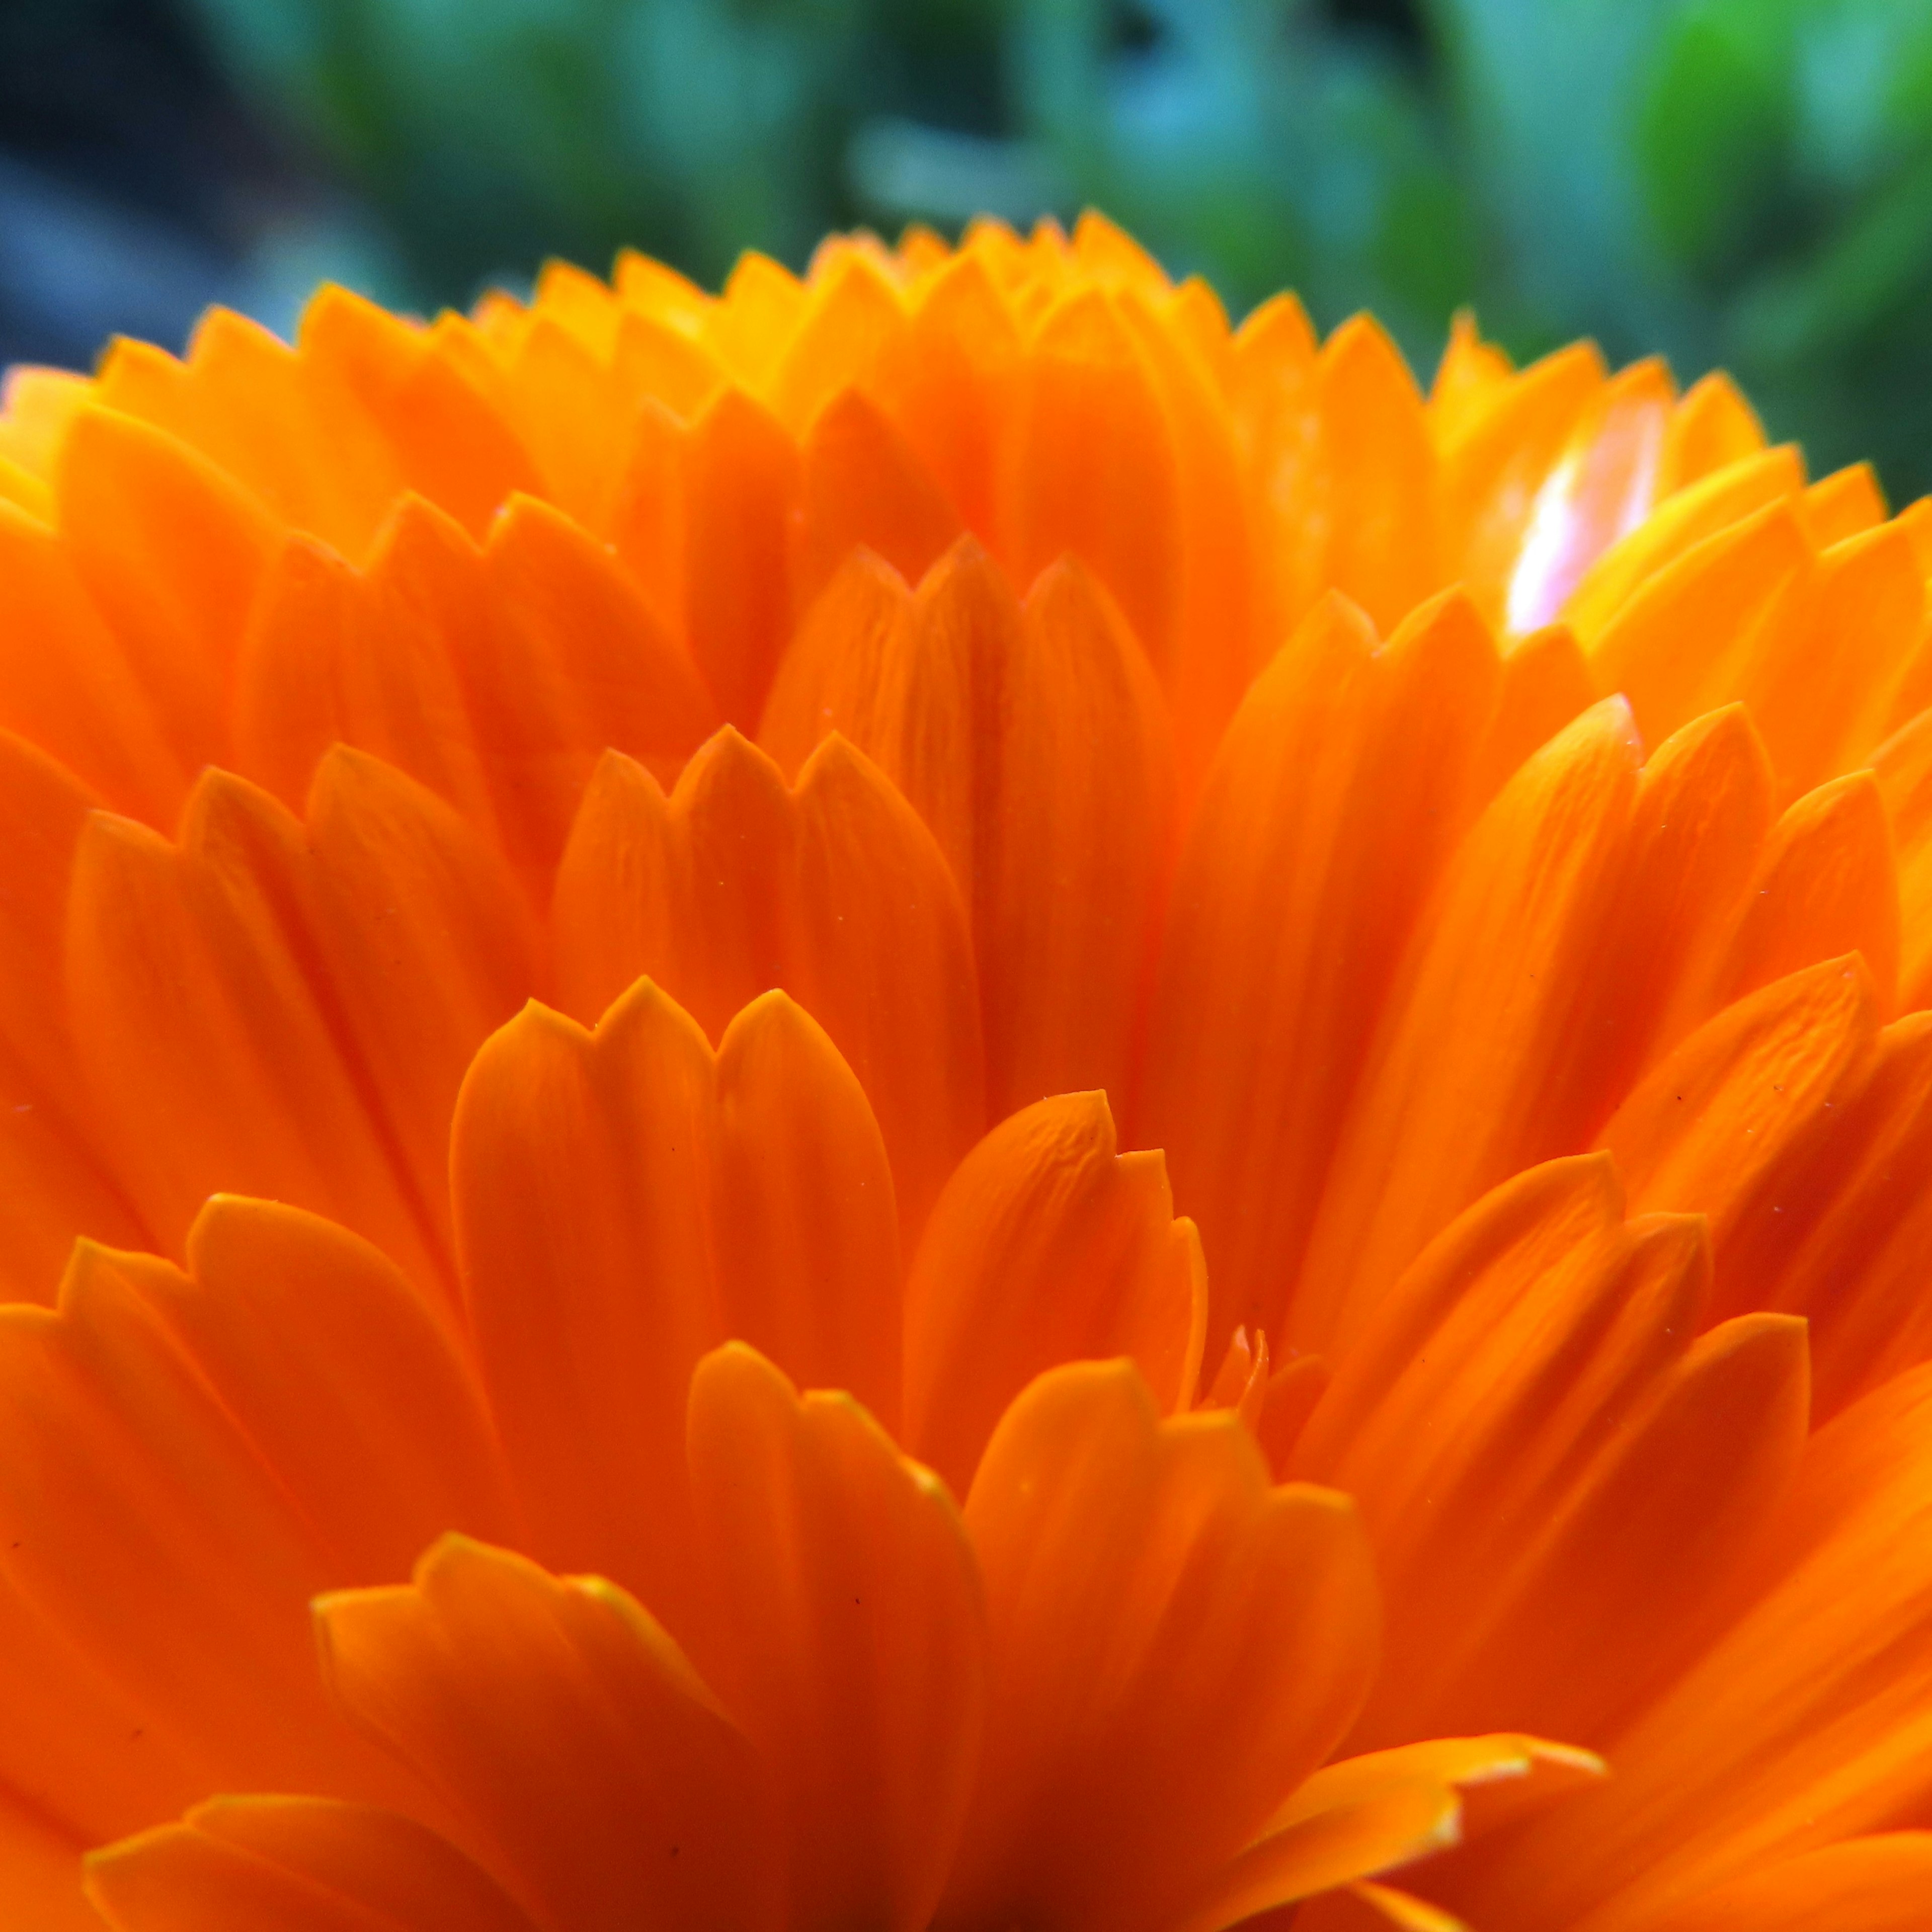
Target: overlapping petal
pixel 934 733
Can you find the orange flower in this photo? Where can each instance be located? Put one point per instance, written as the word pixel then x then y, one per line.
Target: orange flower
pixel 917 730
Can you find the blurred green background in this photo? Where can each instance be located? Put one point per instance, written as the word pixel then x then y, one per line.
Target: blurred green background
pixel 1742 182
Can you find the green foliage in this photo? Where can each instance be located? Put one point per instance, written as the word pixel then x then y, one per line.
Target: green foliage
pixel 1720 95
pixel 1743 182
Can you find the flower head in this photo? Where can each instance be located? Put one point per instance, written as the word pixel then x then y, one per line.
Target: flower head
pixel 578 870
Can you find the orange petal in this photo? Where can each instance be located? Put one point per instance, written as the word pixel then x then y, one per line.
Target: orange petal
pixel 564 612
pixel 334 655
pixel 426 947
pixel 58 1185
pixel 851 321
pixel 1739 499
pixel 126 1486
pixel 1007 257
pixel 1602 490
pixel 1837 1228
pixel 864 484
pixel 806 1231
pixel 1112 255
pixel 922 250
pixel 251 406
pixel 569 411
pixel 1875 1884
pixel 1176 1645
pixel 1475 1074
pixel 1698 828
pixel 587 308
pixel 654 289
pixel 1471 375
pixel 1214 617
pixel 1494 467
pixel 847 670
pixel 346 1379
pixel 699 891
pixel 835 892
pixel 886 967
pixel 43 809
pixel 1827 884
pixel 40 1872
pixel 1535 1225
pixel 1544 684
pixel 1377 1832
pixel 1844 504
pixel 210 1035
pixel 38 404
pixel 741 493
pixel 669 1200
pixel 448 442
pixel 1033 745
pixel 949 386
pixel 1381 537
pixel 1331 807
pixel 1823 705
pixel 1704 1127
pixel 923 696
pixel 1194 312
pixel 1628 1579
pixel 1805 1723
pixel 1292 1393
pixel 83 1756
pixel 580 1169
pixel 1093 469
pixel 1074 847
pixel 1541 1343
pixel 848 1636
pixel 748 326
pixel 1367 1907
pixel 69 687
pixel 1701 627
pixel 651 357
pixel 1498 1777
pixel 1046 1247
pixel 1713 427
pixel 301 1864
pixel 171 551
pixel 585 1758
pixel 1914 523
pixel 1903 766
pixel 1695 825
pixel 1241 1381
pixel 284 432
pixel 645 522
pixel 1273 400
pixel 1365 1815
